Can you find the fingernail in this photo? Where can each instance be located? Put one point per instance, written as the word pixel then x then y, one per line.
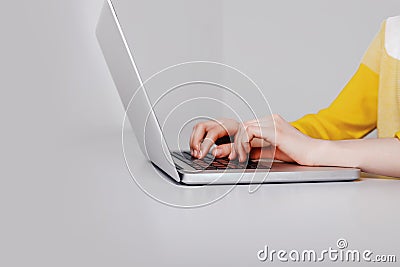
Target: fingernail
pixel 196 153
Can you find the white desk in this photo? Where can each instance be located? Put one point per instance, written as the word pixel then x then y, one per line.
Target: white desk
pixel 87 211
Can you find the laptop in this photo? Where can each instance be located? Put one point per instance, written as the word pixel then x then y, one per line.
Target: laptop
pixel 180 165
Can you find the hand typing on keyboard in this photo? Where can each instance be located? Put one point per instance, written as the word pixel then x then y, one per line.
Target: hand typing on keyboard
pixel 268 137
pixel 221 133
pixel 205 135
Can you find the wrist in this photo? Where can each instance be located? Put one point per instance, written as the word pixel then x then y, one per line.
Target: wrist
pixel 334 153
pixel 318 153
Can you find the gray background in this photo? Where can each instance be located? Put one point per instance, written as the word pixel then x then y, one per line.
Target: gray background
pixel 65 195
pixel 300 53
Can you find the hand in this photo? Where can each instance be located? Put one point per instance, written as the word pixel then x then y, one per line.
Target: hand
pixel 205 134
pixel 291 144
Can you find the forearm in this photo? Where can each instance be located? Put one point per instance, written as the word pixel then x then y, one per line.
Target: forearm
pixel 379 156
pixel 351 115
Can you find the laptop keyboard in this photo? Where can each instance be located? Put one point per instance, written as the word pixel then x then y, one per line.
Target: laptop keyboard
pixel 211 163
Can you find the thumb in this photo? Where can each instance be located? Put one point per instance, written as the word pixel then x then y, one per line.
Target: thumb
pixel 222 151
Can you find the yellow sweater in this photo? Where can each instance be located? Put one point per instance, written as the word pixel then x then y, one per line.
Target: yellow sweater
pixel 370 100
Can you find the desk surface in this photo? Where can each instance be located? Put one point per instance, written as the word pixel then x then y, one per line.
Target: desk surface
pixel 82 206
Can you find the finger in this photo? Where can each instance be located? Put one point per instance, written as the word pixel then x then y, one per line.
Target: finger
pixel 239 139
pixel 257 142
pixel 262 152
pixel 232 155
pixel 222 151
pixel 211 137
pixel 190 144
pixel 266 133
pixel 198 133
pixel 242 155
pixel 243 144
pixel 263 132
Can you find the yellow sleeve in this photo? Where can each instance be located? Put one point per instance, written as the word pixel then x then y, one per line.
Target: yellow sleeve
pixel 353 114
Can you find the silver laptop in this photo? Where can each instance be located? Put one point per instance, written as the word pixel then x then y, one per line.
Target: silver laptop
pixel 179 165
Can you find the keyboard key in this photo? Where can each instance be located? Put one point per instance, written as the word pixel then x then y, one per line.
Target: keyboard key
pixel 211 163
